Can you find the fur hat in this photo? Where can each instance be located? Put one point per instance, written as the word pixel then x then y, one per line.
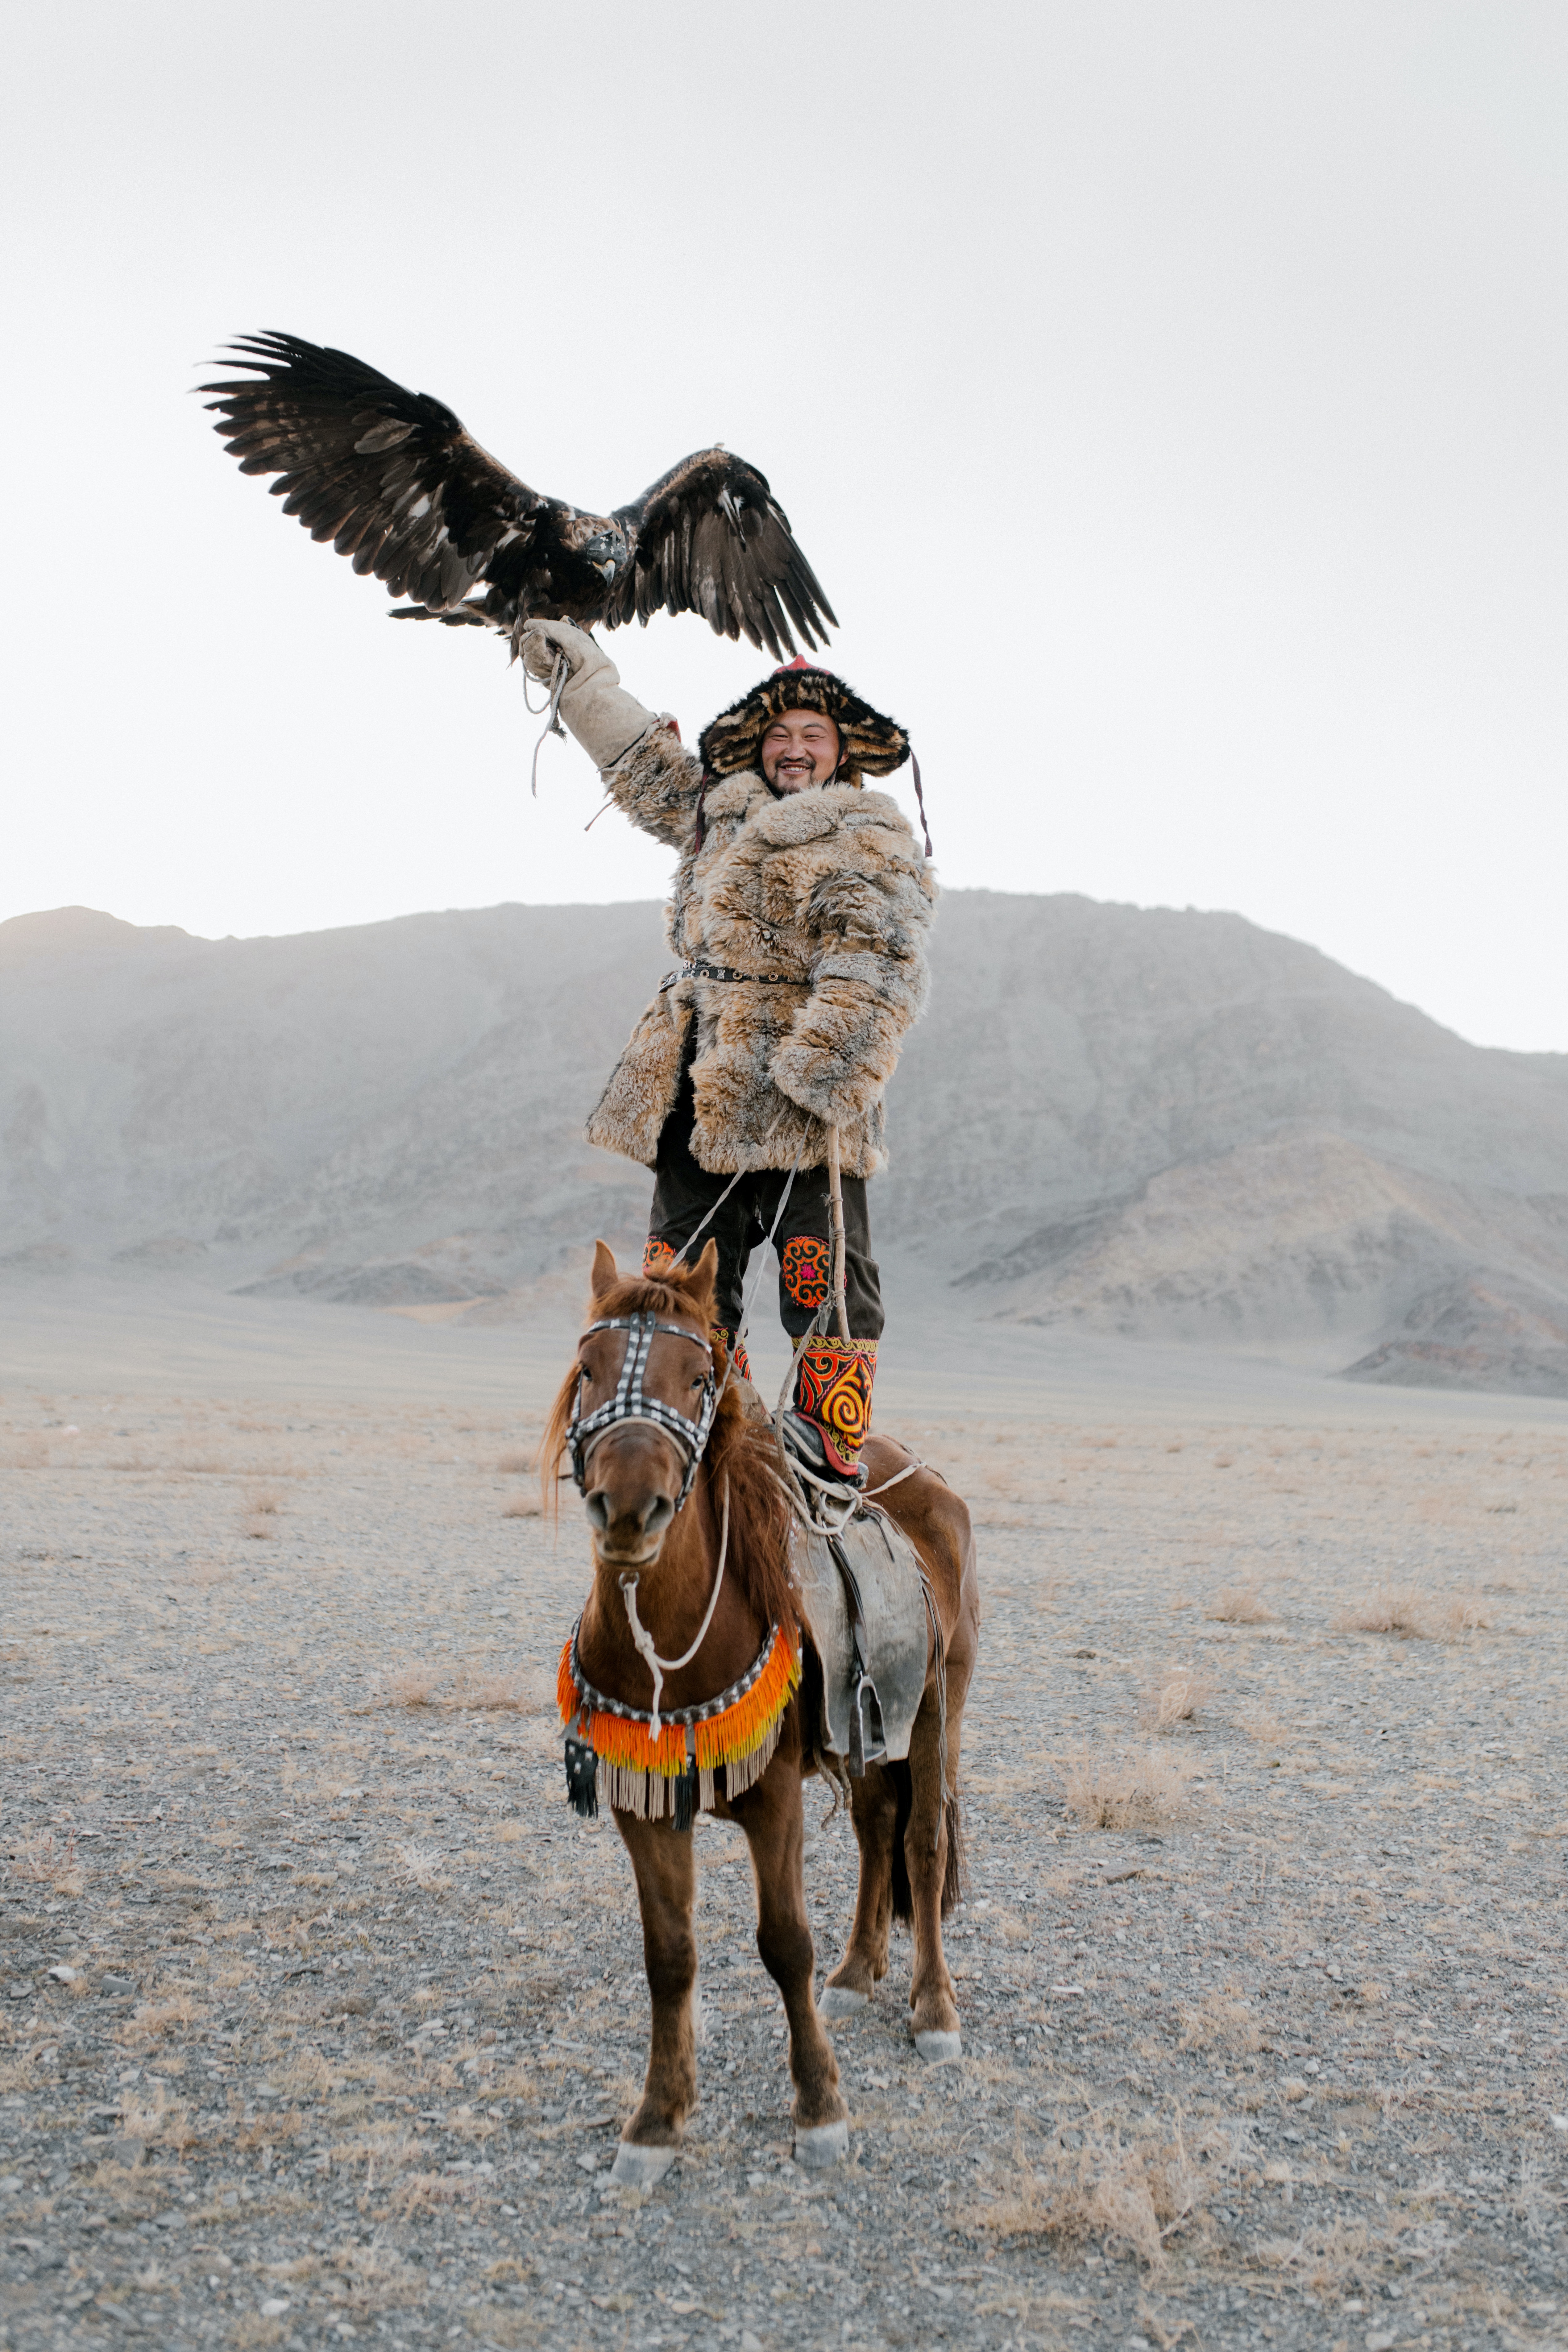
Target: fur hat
pixel 870 744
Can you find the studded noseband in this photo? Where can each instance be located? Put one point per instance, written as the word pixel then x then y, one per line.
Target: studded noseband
pixel 631 1401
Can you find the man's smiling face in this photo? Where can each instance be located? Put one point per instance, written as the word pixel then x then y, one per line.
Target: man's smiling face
pixel 801 747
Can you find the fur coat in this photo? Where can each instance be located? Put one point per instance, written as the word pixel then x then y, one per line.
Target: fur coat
pixel 827 887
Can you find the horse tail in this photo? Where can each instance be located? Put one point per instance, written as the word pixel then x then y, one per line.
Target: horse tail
pixel 955 1875
pixel 904 1792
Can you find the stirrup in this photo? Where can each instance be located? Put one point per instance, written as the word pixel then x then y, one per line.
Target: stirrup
pixel 808 1448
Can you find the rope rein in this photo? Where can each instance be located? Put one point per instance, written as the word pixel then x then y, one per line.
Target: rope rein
pixel 658 1667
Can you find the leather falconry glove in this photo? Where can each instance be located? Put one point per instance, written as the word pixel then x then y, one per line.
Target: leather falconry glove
pixel 606 719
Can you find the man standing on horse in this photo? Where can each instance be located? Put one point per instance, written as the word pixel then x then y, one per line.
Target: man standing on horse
pixel 799 910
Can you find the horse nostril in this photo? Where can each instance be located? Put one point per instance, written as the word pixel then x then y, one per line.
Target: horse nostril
pixel 657 1514
pixel 598 1511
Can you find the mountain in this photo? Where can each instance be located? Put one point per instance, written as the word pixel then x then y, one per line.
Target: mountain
pixel 1145 1121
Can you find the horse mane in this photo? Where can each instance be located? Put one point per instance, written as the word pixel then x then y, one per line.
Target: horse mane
pixel 740 1447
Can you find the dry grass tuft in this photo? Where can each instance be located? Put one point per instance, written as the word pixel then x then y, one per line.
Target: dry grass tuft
pixel 495 1693
pixel 1325 2260
pixel 1175 1695
pixel 1221 2022
pixel 1132 2198
pixel 43 1859
pixel 160 2121
pixel 1399 1609
pixel 523 1506
pixel 409 1686
pixel 260 1510
pixel 248 2332
pixel 422 1864
pixel 1108 1789
pixel 155 2018
pixel 428 2189
pixel 1466 1613
pixel 518 1463
pixel 1238 1604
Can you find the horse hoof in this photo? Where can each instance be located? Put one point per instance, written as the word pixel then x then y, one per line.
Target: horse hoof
pixel 641 2168
pixel 939 2049
pixel 824 2146
pixel 838 2001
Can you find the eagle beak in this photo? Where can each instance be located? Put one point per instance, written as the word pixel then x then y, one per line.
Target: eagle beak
pixel 606 571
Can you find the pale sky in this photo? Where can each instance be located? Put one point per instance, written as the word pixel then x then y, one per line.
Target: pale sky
pixel 1170 399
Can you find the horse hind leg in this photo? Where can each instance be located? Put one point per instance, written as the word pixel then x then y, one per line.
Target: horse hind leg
pixel 666 1875
pixel 933 1863
pixel 876 1805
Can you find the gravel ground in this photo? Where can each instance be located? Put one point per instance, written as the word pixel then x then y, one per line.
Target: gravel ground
pixel 321 2012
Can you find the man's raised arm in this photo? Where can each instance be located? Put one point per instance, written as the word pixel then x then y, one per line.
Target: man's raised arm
pixel 638 752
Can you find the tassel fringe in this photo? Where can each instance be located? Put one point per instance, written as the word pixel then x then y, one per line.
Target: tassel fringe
pixel 638 1774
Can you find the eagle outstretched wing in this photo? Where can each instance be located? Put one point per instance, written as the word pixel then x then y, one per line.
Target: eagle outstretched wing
pixel 391 478
pixel 389 475
pixel 710 538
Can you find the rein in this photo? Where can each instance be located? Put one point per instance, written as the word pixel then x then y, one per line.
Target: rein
pixel 658 1667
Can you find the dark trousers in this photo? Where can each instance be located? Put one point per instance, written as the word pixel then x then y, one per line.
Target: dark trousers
pixel 683 1193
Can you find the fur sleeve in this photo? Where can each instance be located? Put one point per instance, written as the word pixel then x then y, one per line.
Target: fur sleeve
pixel 868 912
pixel 655 783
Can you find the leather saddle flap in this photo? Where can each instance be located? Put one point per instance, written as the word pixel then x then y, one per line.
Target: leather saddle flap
pixel 887 1571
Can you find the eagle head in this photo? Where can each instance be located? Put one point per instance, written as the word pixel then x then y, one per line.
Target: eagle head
pixel 605 550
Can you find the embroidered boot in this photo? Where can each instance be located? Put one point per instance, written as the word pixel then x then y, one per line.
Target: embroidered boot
pixel 833 1407
pixel 734 1348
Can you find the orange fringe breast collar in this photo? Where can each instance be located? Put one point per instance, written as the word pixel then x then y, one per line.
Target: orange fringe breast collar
pixel 736 1733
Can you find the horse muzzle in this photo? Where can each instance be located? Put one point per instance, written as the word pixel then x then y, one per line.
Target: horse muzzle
pixel 628 1532
pixel 631 1494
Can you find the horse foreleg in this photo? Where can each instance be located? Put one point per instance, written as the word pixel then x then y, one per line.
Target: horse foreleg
pixel 933 2010
pixel 771 1817
pixel 874 1809
pixel 666 1875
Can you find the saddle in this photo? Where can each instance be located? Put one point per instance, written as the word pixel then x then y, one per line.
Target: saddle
pixel 864 1598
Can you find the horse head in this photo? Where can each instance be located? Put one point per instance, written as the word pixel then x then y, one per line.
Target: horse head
pixel 643 1404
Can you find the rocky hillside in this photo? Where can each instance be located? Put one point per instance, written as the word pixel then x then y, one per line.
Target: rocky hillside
pixel 1155 1123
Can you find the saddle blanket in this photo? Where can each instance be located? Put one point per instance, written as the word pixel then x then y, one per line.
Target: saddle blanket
pixel 886 1574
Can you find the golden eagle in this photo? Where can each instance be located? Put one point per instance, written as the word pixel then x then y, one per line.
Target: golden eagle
pixel 392 478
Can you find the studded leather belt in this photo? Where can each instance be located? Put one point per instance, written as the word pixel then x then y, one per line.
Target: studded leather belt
pixel 699 970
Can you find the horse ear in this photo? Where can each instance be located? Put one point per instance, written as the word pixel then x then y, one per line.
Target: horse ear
pixel 604 1274
pixel 703 1279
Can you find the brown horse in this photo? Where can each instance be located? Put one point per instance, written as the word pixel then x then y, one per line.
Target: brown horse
pixel 659 1503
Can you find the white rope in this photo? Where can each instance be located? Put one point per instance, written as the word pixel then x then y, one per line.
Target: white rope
pixel 560 676
pixel 706 1221
pixel 896 1480
pixel 658 1667
pixel 750 1298
pixel 795 1470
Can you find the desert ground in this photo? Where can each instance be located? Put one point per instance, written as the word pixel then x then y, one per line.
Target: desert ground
pixel 321 2010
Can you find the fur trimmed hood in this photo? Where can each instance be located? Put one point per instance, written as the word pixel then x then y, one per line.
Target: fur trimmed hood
pixel 871 744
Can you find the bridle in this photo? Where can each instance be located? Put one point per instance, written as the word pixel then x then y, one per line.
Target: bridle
pixel 631 1401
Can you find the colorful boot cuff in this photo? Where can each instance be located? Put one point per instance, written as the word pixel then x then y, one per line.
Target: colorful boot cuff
pixel 833 1389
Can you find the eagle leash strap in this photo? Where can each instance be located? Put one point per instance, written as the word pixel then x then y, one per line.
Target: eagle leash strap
pixel 560 678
